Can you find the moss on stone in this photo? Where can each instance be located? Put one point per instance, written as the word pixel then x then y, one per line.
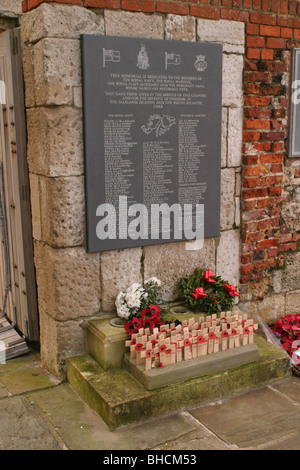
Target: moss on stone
pixel 119 399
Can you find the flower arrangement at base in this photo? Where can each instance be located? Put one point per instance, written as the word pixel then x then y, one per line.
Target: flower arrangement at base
pixel 139 306
pixel 148 318
pixel 287 330
pixel 204 291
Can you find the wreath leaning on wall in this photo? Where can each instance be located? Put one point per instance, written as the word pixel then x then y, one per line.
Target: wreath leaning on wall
pixel 205 292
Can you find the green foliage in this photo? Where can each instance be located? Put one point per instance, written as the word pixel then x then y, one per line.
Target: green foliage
pixel 217 298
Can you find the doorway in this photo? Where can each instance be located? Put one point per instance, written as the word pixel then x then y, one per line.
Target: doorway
pixel 18 297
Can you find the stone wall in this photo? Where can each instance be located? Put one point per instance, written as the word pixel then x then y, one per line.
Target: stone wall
pixel 257 249
pixel 10 10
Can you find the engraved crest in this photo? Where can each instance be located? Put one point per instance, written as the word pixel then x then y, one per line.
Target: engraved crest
pixel 200 63
pixel 143 59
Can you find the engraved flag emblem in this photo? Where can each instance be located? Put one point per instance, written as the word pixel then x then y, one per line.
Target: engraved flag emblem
pixel 172 59
pixel 110 56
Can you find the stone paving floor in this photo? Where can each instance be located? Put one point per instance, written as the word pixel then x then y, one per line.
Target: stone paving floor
pixel 39 413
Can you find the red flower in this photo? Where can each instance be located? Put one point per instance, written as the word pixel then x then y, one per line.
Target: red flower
pixel 148 353
pixel 149 324
pixel 208 275
pixel 225 334
pixel 137 323
pixel 246 331
pixel 159 365
pixel 139 346
pixel 211 335
pixel 187 342
pixel 129 327
pixel 198 294
pixel 146 314
pixel 201 339
pixel 230 289
pixel 155 310
pixel 154 342
pixel 162 348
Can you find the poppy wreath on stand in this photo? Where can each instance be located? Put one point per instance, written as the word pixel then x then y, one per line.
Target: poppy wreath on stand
pixel 287 330
pixel 203 291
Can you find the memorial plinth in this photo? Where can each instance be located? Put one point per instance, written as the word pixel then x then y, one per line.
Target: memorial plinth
pixel 199 367
pixel 105 343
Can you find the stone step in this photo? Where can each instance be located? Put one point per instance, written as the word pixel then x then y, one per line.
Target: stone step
pixel 119 399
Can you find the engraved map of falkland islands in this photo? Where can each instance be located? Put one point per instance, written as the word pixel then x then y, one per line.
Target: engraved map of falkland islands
pixel 152 122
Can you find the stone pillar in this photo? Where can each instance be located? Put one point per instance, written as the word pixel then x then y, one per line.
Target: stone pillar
pixel 68 279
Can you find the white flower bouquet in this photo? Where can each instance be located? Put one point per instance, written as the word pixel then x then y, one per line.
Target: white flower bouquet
pixel 137 297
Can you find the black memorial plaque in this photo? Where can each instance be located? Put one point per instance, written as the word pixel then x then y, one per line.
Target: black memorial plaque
pixel 152 133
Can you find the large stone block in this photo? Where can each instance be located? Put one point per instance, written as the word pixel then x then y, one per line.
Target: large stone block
pixel 293 302
pixel 228 256
pixel 119 269
pixel 125 23
pixel 235 132
pixel 171 261
pixel 59 340
pixel 55 141
pixel 290 275
pixel 57 69
pixel 291 206
pixel 59 21
pixel 267 310
pixel 68 282
pixel 28 73
pixel 230 33
pixel 224 137
pixel 35 206
pixel 227 198
pixel 10 8
pixel 105 343
pixel 272 308
pixel 62 202
pixel 232 90
pixel 180 28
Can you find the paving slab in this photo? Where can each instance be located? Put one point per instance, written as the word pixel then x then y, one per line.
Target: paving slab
pixel 22 428
pixel 24 380
pixel 80 428
pixel 291 388
pixel 249 420
pixel 31 359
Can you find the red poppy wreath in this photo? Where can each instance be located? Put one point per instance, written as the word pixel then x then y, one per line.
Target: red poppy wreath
pixel 203 291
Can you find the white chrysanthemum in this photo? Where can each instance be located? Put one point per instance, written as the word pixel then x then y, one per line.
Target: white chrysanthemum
pixel 133 300
pixel 123 312
pixel 153 280
pixel 122 309
pixel 134 287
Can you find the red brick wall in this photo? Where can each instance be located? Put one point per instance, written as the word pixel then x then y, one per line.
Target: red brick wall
pixel 272 30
